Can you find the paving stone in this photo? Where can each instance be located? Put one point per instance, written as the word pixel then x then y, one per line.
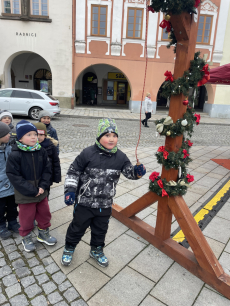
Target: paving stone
pixel 43 253
pixel 22 272
pixel 27 281
pixel 128 286
pixel 39 301
pixel 13 290
pixel 19 300
pixel 209 297
pixel 59 277
pixel 64 286
pixel 49 287
pixel 4 271
pixel 18 263
pixel 47 261
pixel 54 297
pixel 18 240
pixel 177 287
pixel 28 255
pixel 62 303
pixel 14 255
pixel 10 248
pixel 33 290
pixel 33 262
pixel 9 280
pixel 52 268
pixel 7 242
pixel 79 303
pixel 21 247
pixel 1 254
pixel 2 299
pixel 38 270
pixel 150 301
pixel 218 229
pixel 42 278
pixel 71 294
pixel 2 262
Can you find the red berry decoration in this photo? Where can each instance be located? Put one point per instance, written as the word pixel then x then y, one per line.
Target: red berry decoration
pixel 185 102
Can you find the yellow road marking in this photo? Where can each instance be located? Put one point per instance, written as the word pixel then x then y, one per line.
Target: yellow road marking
pixel 179 237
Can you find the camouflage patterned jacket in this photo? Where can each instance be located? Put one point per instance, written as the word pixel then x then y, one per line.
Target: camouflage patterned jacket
pixel 94 174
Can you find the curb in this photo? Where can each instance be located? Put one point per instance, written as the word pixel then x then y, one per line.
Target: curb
pixel 129 119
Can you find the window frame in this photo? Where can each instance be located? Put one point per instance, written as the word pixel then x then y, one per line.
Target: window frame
pixel 40 10
pixel 99 6
pixel 127 26
pixel 210 34
pixel 11 8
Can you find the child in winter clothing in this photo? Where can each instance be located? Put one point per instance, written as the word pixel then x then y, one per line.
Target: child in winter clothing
pixel 92 178
pixel 29 170
pixel 148 109
pixel 50 145
pixel 8 207
pixel 44 117
pixel 7 118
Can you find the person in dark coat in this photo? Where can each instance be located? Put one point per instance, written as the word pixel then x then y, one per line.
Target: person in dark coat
pixel 50 145
pixel 29 171
pixel 45 117
pixel 91 183
pixel 7 118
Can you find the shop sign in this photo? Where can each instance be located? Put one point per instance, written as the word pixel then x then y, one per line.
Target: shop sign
pixel 26 34
pixel 116 76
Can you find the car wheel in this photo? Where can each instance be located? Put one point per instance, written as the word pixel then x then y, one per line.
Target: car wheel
pixel 34 112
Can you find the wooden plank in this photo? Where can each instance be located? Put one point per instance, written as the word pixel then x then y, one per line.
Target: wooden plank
pixel 164 219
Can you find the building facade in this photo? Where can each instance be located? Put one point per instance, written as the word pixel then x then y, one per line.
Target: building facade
pixel 36 46
pixel 109 62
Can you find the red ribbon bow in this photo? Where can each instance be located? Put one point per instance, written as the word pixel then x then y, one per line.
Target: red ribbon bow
pixel 154 176
pixel 190 178
pixel 197 2
pixel 166 24
pixel 160 183
pixel 185 153
pixel 189 143
pixel 206 76
pixel 169 76
pixel 164 193
pixel 161 149
pixel 197 118
pixel 165 154
pixel 150 9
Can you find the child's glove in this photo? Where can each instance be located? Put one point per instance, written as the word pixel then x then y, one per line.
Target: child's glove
pixel 139 170
pixel 69 198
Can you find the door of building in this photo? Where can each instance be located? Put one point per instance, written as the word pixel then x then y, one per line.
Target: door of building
pixel 121 93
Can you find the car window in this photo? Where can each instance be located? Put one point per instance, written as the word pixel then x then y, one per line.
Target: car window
pixel 51 97
pixel 36 96
pixel 21 94
pixel 5 93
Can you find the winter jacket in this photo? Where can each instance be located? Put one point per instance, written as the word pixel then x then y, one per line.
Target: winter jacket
pixel 52 133
pixel 27 171
pixel 6 188
pixel 13 134
pixel 94 175
pixel 49 144
pixel 148 105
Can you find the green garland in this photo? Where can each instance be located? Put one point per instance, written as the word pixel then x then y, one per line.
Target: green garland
pixel 173 40
pixel 174 7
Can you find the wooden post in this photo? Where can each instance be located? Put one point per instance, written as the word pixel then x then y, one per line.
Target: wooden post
pixel 202 262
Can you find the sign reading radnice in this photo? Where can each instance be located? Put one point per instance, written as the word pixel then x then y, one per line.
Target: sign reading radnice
pixel 26 34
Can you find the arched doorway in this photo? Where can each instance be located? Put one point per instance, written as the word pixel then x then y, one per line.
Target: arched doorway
pixel 89 89
pixel 161 101
pixel 43 80
pixel 201 97
pixel 12 78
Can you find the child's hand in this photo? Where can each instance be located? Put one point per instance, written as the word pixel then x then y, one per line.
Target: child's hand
pixel 139 170
pixel 69 198
pixel 41 191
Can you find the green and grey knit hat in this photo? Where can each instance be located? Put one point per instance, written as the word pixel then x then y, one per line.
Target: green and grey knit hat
pixel 106 125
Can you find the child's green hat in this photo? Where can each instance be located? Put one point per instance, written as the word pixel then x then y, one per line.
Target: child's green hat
pixel 106 125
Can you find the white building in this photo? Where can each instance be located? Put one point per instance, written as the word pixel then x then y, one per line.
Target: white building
pixel 36 46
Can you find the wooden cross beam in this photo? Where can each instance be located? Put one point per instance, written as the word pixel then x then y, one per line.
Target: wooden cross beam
pixel 202 261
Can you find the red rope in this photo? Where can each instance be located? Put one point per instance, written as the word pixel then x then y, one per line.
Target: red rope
pixel 146 65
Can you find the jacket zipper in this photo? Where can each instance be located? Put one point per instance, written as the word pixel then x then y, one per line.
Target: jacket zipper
pixel 34 171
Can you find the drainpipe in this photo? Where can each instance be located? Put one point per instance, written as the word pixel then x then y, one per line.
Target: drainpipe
pixel 73 51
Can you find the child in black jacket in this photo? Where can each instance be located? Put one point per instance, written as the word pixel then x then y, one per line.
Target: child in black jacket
pixel 92 178
pixel 29 170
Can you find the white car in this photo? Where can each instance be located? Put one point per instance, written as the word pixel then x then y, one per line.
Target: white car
pixel 28 102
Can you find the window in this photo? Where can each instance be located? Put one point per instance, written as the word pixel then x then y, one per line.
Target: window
pixel 5 93
pixel 21 94
pixel 39 7
pixel 134 27
pixel 36 96
pixel 204 30
pixel 98 20
pixel 11 7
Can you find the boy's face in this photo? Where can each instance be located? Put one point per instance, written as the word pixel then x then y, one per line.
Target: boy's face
pixel 109 140
pixel 29 138
pixel 6 120
pixel 5 139
pixel 41 137
pixel 45 120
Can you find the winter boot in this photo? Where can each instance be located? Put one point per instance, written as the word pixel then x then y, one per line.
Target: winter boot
pixel 44 236
pixel 13 226
pixel 4 233
pixel 28 244
pixel 98 255
pixel 67 255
